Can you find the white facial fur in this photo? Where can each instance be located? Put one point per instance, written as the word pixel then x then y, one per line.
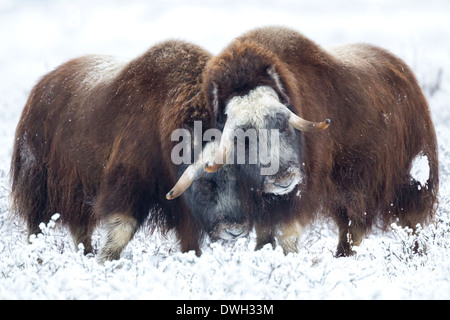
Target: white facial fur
pixel 253 108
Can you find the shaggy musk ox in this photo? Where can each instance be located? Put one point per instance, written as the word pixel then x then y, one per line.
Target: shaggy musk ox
pixel 376 163
pixel 94 144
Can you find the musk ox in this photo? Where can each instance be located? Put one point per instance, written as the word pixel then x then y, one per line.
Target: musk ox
pixel 94 144
pixel 361 171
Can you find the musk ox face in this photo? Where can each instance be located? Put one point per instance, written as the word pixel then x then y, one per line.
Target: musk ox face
pixel 218 201
pixel 278 150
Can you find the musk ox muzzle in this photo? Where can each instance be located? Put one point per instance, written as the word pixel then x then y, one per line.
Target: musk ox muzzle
pixel 217 200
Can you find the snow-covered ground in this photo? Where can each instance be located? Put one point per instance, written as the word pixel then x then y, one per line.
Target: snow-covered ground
pixel 37 36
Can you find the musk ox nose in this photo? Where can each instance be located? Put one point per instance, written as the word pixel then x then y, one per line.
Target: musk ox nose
pixel 283 184
pixel 233 232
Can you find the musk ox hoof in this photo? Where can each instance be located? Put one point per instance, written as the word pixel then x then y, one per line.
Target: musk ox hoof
pixel 344 250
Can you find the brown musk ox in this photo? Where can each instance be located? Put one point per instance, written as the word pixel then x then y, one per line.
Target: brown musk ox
pixel 377 162
pixel 94 144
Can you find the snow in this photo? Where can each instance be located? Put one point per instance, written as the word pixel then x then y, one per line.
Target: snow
pixel 420 170
pixel 102 70
pixel 37 36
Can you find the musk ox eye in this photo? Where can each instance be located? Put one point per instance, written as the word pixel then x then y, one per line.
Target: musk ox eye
pixel 280 122
pixel 285 126
pixel 207 183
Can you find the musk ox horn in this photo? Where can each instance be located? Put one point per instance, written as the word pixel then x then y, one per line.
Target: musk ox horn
pixel 209 153
pixel 306 126
pixel 225 148
pixel 184 182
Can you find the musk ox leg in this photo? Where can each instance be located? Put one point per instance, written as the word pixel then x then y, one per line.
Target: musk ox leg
pixel 189 235
pixel 264 235
pixel 29 187
pixel 120 229
pixel 29 195
pixel 414 204
pixel 82 235
pixel 81 222
pixel 288 236
pixel 351 233
pixel 348 238
pixel 187 246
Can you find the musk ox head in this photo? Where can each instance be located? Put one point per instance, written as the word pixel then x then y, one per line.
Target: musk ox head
pixel 218 200
pixel 249 90
pixel 277 148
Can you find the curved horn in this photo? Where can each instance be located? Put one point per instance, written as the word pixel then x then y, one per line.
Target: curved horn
pixel 305 126
pixel 184 182
pixel 225 148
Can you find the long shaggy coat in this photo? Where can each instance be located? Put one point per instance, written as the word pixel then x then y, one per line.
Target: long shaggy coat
pixel 359 170
pixel 94 143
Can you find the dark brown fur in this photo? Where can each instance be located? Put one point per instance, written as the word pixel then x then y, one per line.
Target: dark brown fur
pixel 358 170
pixel 97 149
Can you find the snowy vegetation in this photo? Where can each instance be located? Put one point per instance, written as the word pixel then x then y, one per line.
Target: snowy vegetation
pixel 37 36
